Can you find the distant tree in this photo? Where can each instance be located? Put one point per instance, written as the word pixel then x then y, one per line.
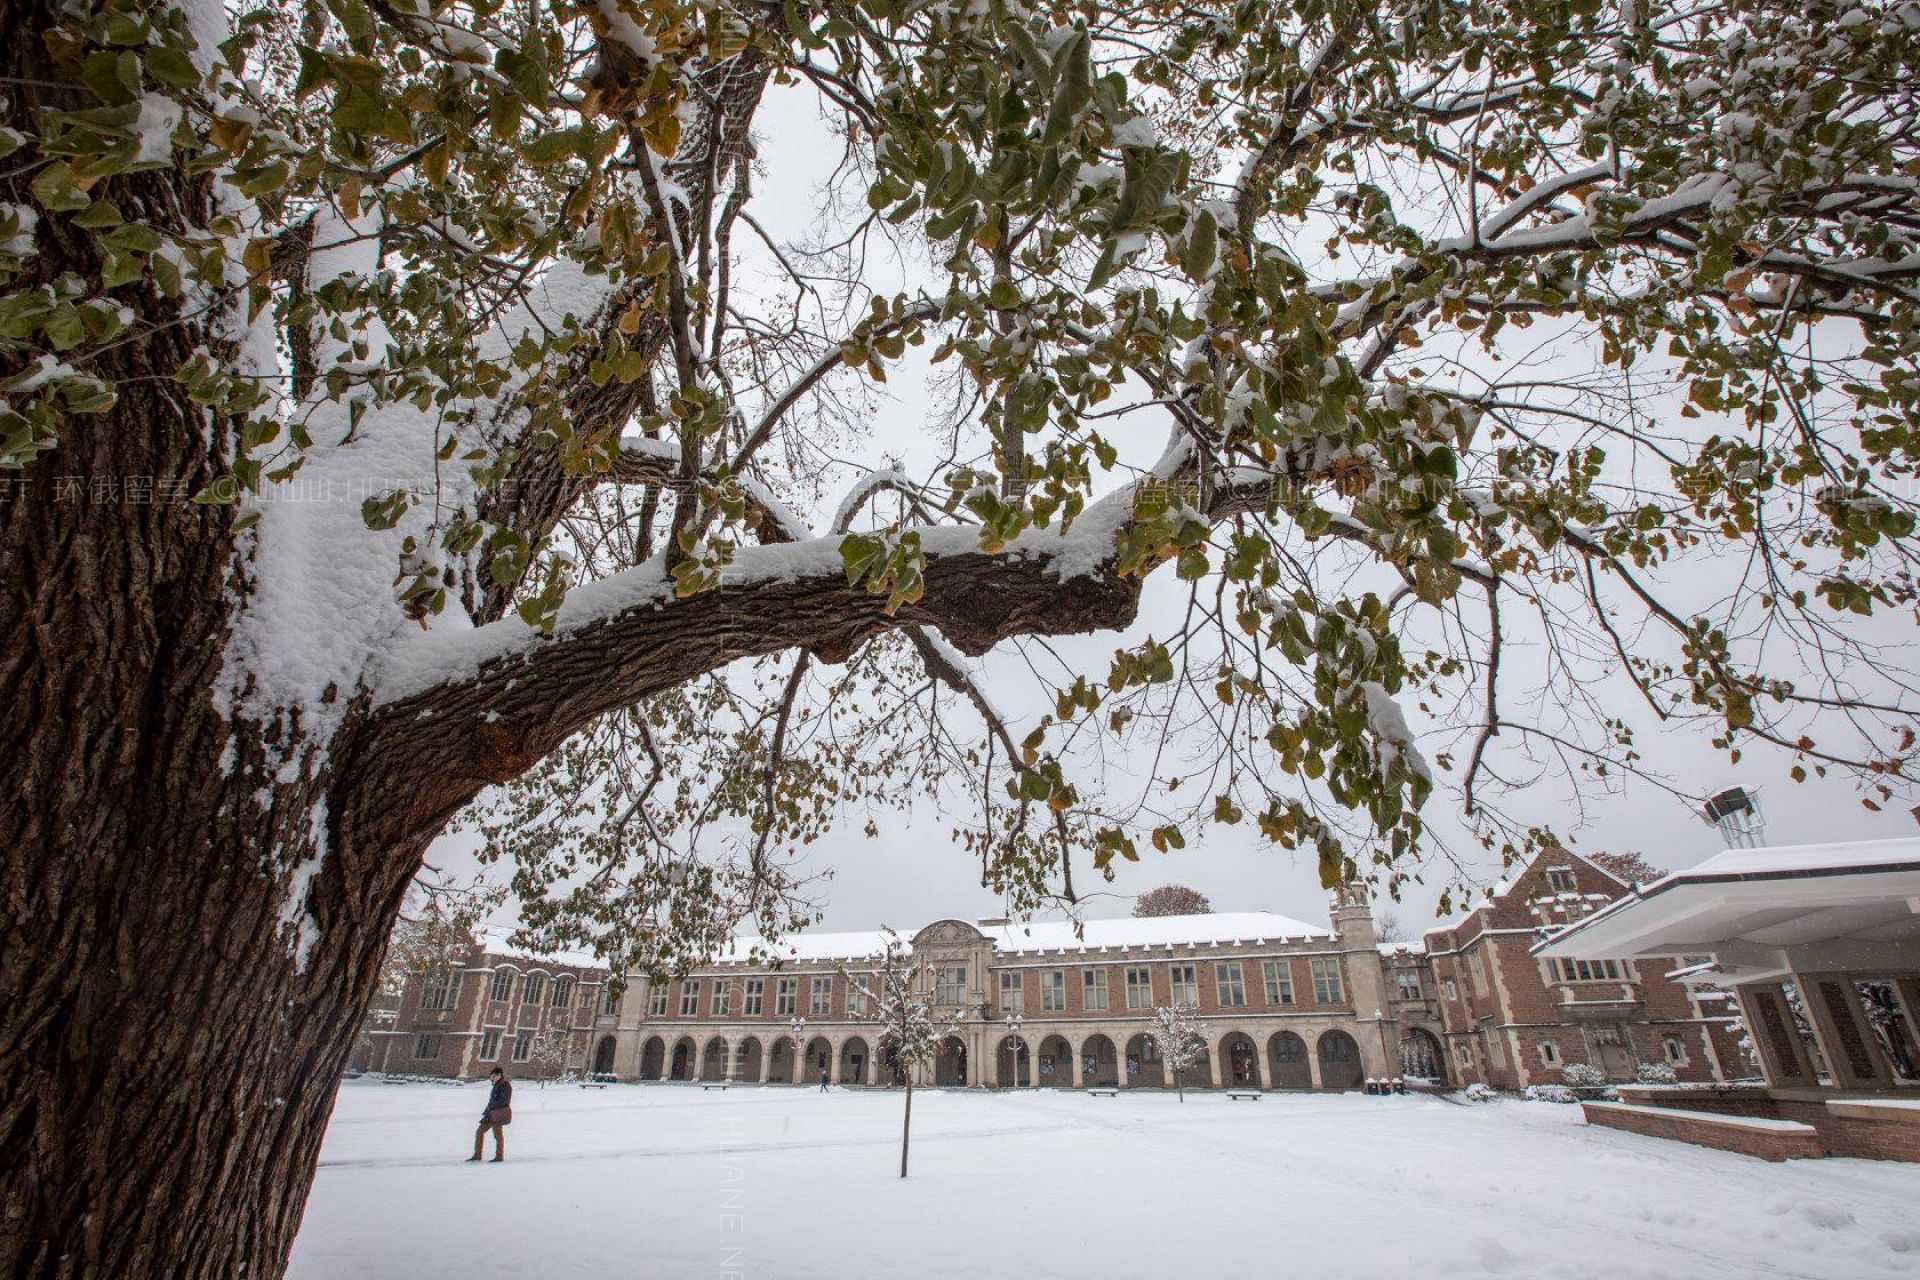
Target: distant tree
pixel 1172 900
pixel 1180 1043
pixel 903 1010
pixel 1388 928
pixel 1630 867
pixel 548 1052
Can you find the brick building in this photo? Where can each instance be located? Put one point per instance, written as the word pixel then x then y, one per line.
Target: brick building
pixel 1512 1020
pixel 537 1016
pixel 1283 1004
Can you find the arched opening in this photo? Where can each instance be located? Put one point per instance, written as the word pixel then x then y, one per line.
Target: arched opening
pixel 781 1060
pixel 603 1057
pixel 1055 1065
pixel 1099 1063
pixel 950 1063
pixel 1145 1068
pixel 713 1060
pixel 855 1060
pixel 1242 1062
pixel 1339 1061
pixel 1013 1066
pixel 1420 1056
pixel 683 1059
pixel 818 1061
pixel 653 1058
pixel 746 1065
pixel 1198 1074
pixel 891 1071
pixel 1287 1054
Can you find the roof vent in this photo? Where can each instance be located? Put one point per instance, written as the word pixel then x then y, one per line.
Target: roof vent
pixel 1736 812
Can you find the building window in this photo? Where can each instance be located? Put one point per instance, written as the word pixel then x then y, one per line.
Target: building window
pixel 427 1045
pixel 1093 990
pixel 690 998
pixel 1464 1052
pixel 722 997
pixel 1053 991
pixel 1560 879
pixel 1231 984
pixel 820 1003
pixel 563 993
pixel 1674 1049
pixel 1012 995
pixel 756 1001
pixel 490 1044
pixel 502 985
pixel 1186 987
pixel 950 984
pixel 657 1002
pixel 522 1045
pixel 1408 982
pixel 442 991
pixel 1585 970
pixel 783 997
pixel 857 995
pixel 1279 980
pixel 1326 980
pixel 534 988
pixel 611 1006
pixel 1549 1053
pixel 1139 989
pixel 1453 992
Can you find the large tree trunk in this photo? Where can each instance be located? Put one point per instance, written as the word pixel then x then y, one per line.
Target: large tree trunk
pixel 167 1064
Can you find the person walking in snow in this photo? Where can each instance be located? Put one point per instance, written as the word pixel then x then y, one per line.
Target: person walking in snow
pixel 823 1077
pixel 497 1116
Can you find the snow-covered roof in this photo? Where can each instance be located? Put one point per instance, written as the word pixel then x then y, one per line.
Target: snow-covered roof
pixel 1038 936
pixel 497 942
pixel 1403 948
pixel 1804 859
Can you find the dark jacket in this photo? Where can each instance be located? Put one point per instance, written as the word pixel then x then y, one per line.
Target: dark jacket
pixel 502 1096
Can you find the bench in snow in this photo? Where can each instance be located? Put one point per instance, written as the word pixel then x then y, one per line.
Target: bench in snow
pixel 1249 1095
pixel 712 1084
pixel 593 1084
pixel 1102 1091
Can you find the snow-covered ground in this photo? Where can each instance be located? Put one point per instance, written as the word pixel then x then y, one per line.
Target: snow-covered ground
pixel 666 1181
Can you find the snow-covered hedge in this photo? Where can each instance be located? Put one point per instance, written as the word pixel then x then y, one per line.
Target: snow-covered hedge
pixel 1550 1093
pixel 1655 1073
pixel 1477 1092
pixel 1586 1080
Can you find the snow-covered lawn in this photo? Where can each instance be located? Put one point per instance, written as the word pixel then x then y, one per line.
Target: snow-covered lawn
pixel 665 1181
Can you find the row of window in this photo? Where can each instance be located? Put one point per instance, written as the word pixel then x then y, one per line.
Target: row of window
pixel 427 1045
pixel 442 991
pixel 950 988
pixel 786 998
pixel 1584 970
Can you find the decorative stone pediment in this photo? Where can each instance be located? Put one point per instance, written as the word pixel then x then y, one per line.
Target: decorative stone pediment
pixel 947 932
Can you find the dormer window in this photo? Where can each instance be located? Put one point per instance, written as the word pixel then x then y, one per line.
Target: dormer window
pixel 1560 879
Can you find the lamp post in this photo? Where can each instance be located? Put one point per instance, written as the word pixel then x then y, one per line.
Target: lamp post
pixel 1013 1036
pixel 798 1028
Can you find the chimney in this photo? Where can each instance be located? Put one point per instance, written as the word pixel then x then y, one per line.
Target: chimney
pixel 1736 812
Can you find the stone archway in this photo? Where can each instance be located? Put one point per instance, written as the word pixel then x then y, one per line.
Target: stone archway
pixel 950 1063
pixel 603 1056
pixel 1287 1060
pixel 653 1058
pixel 781 1060
pixel 713 1059
pixel 1013 1062
pixel 1340 1066
pixel 1144 1066
pixel 1239 1061
pixel 1053 1063
pixel 747 1060
pixel 1099 1063
pixel 1421 1057
pixel 817 1061
pixel 855 1061
pixel 889 1070
pixel 685 1060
